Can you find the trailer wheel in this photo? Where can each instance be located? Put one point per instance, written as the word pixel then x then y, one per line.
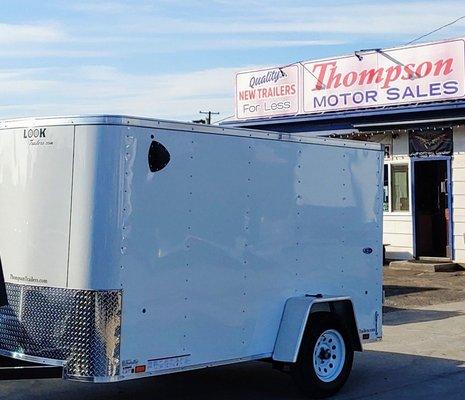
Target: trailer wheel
pixel 325 357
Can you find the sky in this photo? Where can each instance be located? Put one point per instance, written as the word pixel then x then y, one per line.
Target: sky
pixel 171 59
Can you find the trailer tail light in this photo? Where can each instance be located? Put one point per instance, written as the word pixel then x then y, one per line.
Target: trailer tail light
pixel 139 369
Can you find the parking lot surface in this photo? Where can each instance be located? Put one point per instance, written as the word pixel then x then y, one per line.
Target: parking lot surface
pixel 406 288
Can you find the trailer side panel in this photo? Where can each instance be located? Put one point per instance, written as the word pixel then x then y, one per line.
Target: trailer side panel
pixel 217 241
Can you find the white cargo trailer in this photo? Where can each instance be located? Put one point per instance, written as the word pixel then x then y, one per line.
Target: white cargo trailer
pixel 136 247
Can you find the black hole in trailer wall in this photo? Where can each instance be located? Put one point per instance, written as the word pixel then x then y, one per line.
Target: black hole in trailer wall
pixel 158 156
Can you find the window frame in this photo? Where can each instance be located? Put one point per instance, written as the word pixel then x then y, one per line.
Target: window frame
pixel 390 163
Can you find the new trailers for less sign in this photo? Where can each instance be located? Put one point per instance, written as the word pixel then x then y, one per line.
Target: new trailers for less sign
pixel 267 93
pixel 428 72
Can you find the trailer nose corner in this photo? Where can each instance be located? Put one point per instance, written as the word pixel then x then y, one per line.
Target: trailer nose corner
pixel 3 296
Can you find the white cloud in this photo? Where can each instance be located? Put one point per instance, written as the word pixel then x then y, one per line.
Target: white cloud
pixel 104 89
pixel 110 7
pixel 134 34
pixel 139 27
pixel 94 48
pixel 256 43
pixel 61 53
pixel 393 18
pixel 27 33
pixel 348 24
pixel 101 7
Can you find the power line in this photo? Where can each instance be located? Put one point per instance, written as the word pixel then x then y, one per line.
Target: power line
pixel 378 50
pixel 435 30
pixel 224 119
pixel 305 68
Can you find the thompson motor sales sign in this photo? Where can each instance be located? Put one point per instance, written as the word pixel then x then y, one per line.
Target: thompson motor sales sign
pixel 426 72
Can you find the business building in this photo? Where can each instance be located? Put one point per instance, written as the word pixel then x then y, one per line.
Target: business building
pixel 411 99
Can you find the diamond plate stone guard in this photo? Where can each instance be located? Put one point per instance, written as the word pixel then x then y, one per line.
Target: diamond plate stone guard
pixel 81 327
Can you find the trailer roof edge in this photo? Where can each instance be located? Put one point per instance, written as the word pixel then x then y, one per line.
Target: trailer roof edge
pixel 144 122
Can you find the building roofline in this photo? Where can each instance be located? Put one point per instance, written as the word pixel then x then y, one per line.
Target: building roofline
pixel 419 113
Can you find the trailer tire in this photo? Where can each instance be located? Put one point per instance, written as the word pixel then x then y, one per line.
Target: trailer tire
pixel 325 357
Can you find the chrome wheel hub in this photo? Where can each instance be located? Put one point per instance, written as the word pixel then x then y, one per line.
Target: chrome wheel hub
pixel 329 355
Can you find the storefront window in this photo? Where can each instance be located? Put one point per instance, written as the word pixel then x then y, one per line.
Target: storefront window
pixel 399 187
pixel 386 188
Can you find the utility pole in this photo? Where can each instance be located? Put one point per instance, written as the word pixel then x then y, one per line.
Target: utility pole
pixel 209 116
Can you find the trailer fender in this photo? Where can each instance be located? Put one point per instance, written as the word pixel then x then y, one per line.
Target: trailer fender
pixel 295 318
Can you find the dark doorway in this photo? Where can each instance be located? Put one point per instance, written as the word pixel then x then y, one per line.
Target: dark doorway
pixel 431 208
